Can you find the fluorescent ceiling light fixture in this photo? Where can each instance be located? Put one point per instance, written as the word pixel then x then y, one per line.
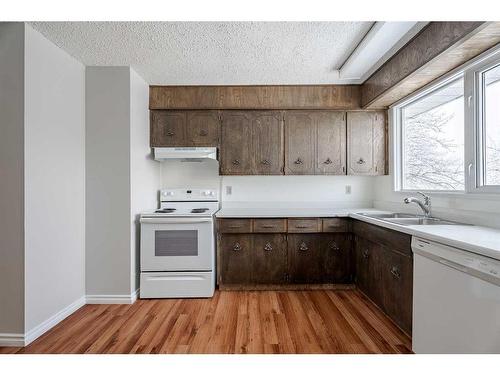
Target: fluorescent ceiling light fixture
pixel 378 45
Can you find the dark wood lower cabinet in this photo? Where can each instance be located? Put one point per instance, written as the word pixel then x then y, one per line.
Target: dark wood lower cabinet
pixel 236 256
pixel 384 271
pixel 269 255
pixel 336 258
pixel 305 258
pixel 378 260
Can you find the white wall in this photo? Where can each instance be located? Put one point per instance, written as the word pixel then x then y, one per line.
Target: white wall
pixel 107 181
pixel 121 178
pixel 54 179
pixel 144 171
pixel 296 190
pixel 11 179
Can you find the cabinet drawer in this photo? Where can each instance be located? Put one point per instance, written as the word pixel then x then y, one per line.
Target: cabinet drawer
pixel 335 225
pixel 304 225
pixel 235 226
pixel 269 225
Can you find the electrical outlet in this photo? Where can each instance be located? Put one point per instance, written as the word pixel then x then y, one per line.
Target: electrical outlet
pixel 348 189
pixel 229 190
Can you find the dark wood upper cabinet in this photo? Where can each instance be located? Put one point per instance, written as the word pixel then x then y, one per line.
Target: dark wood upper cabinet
pixel 331 143
pixel 366 143
pixel 300 142
pixel 203 128
pixel 236 143
pixel 168 128
pixel 184 128
pixel 267 136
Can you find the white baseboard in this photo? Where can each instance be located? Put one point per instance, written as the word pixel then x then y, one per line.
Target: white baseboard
pixel 108 299
pixel 18 339
pixel 55 319
pixel 11 339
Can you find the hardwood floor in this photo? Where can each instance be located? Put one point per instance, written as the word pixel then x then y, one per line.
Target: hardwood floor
pixel 318 321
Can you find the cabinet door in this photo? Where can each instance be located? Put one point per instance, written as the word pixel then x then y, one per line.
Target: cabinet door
pixel 304 258
pixel 300 139
pixel 267 134
pixel 331 143
pixel 236 258
pixel 397 285
pixel 336 254
pixel 369 269
pixel 236 143
pixel 366 143
pixel 168 129
pixel 203 128
pixel 269 258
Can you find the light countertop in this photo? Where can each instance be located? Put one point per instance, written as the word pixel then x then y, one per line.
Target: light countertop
pixel 477 239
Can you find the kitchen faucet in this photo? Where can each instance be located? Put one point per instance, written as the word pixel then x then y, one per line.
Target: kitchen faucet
pixel 425 205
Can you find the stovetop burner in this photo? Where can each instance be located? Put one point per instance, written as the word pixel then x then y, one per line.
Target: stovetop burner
pixel 199 210
pixel 165 210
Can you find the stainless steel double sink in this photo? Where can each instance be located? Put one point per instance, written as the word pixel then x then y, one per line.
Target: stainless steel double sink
pixel 409 219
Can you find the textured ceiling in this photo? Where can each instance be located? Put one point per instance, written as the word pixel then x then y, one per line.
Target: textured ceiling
pixel 213 53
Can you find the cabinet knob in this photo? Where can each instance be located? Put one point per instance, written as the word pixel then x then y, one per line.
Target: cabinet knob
pixel 237 247
pixel 303 246
pixel 236 162
pixel 361 161
pixel 268 247
pixel 328 161
pixel 395 272
pixel 265 162
pixel 333 246
pixel 203 133
pixel 170 134
pixel 366 253
pixel 298 161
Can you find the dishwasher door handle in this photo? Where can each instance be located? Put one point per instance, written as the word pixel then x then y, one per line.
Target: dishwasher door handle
pixel 453 265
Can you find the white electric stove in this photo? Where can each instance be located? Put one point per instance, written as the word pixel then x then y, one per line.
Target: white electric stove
pixel 178 245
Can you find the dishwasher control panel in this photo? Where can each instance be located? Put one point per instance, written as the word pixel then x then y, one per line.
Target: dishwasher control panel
pixel 461 260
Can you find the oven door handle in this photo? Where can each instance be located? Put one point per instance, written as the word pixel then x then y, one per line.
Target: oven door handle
pixel 164 220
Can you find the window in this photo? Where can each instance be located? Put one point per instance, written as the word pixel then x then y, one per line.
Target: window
pixel 433 140
pixel 489 170
pixel 447 135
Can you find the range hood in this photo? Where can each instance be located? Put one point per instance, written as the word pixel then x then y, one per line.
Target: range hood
pixel 185 153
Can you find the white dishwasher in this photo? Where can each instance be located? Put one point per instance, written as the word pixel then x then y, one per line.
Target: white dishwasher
pixel 456 300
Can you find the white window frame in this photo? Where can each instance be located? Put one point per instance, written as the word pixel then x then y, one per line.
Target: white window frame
pixel 471 72
pixel 474 134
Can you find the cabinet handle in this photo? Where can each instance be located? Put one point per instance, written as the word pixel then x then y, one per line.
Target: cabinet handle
pixel 333 246
pixel 203 133
pixel 236 247
pixel 366 254
pixel 265 162
pixel 298 161
pixel 170 134
pixel 236 162
pixel 361 161
pixel 395 272
pixel 303 246
pixel 235 226
pixel 268 226
pixel 328 161
pixel 268 247
pixel 303 226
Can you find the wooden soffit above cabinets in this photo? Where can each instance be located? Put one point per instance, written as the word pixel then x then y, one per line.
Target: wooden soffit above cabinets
pixel 343 97
pixel 437 49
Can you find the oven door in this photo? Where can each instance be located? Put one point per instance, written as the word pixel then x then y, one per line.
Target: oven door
pixel 177 244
